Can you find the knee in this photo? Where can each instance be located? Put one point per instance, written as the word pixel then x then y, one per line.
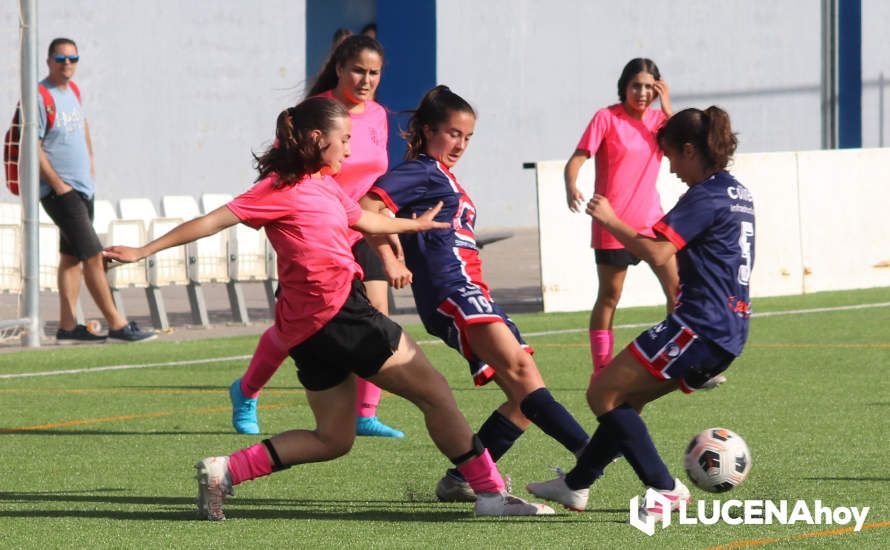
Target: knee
pixel 599 400
pixel 336 446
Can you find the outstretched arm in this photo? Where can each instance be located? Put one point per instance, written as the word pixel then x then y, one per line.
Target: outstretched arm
pixel 192 230
pixel 375 223
pixel 656 252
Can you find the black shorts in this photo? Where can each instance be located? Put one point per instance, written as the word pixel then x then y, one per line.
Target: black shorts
pixel 359 339
pixel 73 213
pixel 370 262
pixel 617 257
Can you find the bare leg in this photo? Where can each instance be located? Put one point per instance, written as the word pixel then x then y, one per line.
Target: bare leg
pixel 611 283
pixel 97 283
pixel 333 435
pixel 68 279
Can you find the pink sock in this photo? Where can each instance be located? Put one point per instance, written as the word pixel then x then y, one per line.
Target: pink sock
pixel 367 397
pixel 601 343
pixel 249 463
pixel 482 474
pixel 270 353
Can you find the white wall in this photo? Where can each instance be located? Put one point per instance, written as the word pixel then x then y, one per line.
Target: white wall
pixel 177 93
pixel 537 70
pixel 821 225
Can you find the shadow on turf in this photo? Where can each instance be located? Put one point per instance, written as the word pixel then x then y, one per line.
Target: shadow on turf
pixel 248 508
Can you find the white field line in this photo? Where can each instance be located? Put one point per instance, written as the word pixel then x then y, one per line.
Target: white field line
pixel 424 342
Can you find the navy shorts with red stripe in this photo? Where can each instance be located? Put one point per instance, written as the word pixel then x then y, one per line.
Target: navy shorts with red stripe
pixel 671 350
pixel 468 306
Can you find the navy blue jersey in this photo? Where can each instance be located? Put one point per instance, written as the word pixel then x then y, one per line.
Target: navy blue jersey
pixel 443 261
pixel 712 226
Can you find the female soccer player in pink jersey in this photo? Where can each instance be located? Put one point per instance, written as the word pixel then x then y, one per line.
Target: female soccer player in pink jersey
pixel 622 139
pixel 350 77
pixel 711 233
pixel 323 317
pixel 450 292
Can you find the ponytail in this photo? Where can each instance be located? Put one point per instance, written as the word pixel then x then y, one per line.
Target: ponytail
pixel 709 131
pixel 295 153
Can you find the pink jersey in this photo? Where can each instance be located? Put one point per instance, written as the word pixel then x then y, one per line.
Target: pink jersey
pixel 368 159
pixel 308 225
pixel 627 163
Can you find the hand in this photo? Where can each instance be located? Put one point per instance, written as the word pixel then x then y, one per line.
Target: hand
pixel 600 209
pixel 574 198
pixel 664 95
pixel 62 189
pixel 426 222
pixel 397 274
pixel 123 254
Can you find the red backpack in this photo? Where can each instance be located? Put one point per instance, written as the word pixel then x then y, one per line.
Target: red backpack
pixel 14 135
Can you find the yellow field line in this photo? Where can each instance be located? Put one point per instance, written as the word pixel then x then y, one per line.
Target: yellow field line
pixel 88 421
pixel 814 534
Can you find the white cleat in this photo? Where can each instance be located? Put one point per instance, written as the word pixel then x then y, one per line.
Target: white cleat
pixel 680 493
pixel 713 382
pixel 556 490
pixel 505 504
pixel 214 484
pixel 452 489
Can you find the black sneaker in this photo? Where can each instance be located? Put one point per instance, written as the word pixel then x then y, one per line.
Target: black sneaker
pixel 78 335
pixel 131 333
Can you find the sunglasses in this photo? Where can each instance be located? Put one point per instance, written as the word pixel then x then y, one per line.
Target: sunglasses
pixel 59 58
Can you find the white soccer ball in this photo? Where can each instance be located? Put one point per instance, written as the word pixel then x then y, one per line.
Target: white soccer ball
pixel 717 460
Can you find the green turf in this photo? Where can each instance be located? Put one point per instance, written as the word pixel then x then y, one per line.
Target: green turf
pixel 106 459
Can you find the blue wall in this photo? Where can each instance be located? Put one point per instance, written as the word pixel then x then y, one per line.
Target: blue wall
pixel 407 30
pixel 849 77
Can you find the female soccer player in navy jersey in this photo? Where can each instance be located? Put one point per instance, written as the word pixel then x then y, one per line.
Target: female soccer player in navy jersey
pixel 446 277
pixel 711 232
pixel 324 313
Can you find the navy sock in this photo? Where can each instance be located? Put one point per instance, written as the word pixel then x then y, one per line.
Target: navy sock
pixel 498 434
pixel 547 414
pixel 600 451
pixel 630 433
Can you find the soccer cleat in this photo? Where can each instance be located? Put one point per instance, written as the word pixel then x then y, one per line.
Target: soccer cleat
pixel 556 490
pixel 680 493
pixel 131 333
pixel 505 504
pixel 214 484
pixel 453 488
pixel 372 426
pixel 78 335
pixel 244 418
pixel 713 382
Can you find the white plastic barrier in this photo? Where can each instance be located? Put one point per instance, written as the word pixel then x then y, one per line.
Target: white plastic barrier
pixel 820 226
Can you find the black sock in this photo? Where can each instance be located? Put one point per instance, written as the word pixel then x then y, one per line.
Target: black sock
pixel 547 414
pixel 497 434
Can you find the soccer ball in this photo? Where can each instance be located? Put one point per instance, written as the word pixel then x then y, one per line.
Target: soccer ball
pixel 717 460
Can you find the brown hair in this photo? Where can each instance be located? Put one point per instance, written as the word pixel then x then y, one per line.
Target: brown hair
pixel 434 109
pixel 633 68
pixel 58 42
pixel 295 153
pixel 709 131
pixel 349 48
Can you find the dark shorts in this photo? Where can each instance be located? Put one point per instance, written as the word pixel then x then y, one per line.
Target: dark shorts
pixel 359 339
pixel 73 213
pixel 468 306
pixel 670 350
pixel 370 262
pixel 618 257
